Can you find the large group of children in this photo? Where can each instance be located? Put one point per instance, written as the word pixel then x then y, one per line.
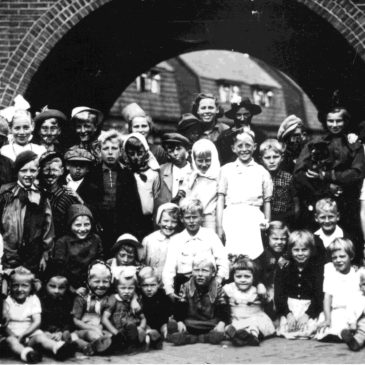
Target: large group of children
pixel 113 244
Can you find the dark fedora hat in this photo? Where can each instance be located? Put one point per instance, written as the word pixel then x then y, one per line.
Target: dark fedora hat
pixel 245 103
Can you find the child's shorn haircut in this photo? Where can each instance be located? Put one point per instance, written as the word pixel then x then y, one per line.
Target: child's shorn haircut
pixel 147 273
pixel 271 144
pixel 191 205
pixel 278 226
pixel 326 204
pixel 342 244
pixel 301 236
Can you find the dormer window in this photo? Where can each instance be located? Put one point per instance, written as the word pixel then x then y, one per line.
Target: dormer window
pixel 228 92
pixel 149 82
pixel 263 97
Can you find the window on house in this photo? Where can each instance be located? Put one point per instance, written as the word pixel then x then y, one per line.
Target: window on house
pixel 263 97
pixel 149 82
pixel 227 93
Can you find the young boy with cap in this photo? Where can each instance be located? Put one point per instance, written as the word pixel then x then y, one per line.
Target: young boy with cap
pixel 26 218
pixel 172 173
pixel 80 246
pixel 87 123
pixel 79 163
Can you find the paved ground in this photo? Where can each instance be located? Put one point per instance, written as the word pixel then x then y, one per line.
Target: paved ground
pixel 272 351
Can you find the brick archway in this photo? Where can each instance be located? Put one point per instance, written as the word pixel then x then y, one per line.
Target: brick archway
pixel 45 32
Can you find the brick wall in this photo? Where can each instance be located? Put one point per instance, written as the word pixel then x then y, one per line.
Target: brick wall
pixel 30 28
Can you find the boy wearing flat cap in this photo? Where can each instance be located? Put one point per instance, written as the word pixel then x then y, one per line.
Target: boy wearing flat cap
pixel 26 218
pixel 172 173
pixel 47 129
pixel 79 162
pixel 87 123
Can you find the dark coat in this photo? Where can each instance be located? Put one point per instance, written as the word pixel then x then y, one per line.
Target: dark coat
pixel 7 173
pixel 127 217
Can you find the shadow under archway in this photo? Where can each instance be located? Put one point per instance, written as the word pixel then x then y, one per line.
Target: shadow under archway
pixel 104 52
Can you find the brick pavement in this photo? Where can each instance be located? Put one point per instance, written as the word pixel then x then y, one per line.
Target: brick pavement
pixel 272 351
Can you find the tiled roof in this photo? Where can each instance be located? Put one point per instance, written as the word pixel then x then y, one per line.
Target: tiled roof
pixel 227 65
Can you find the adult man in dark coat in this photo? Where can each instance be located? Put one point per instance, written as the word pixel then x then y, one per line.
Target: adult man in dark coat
pixel 242 113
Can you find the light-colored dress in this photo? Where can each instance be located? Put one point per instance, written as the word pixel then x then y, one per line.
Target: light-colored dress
pixel 245 187
pixel 247 312
pixel 20 314
pixel 344 289
pixel 154 251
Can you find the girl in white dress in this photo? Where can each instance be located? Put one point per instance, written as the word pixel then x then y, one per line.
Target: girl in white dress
pixel 244 188
pixel 249 321
pixel 341 288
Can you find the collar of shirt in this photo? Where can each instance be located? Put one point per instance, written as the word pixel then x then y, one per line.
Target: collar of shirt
pixel 240 166
pixel 107 168
pixel 70 180
pixel 186 237
pixel 212 291
pixel 338 233
pixel 34 194
pixel 161 237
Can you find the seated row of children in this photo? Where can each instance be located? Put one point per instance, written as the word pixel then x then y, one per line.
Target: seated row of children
pixel 121 305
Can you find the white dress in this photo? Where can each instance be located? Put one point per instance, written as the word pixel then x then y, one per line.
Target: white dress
pixel 247 312
pixel 246 188
pixel 344 289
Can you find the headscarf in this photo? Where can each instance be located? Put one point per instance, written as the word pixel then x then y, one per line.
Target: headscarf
pixel 150 160
pixel 162 208
pixel 200 146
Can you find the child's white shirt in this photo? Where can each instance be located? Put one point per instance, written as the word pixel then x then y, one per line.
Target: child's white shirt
pixel 183 248
pixel 71 183
pixel 178 176
pixel 20 314
pixel 327 239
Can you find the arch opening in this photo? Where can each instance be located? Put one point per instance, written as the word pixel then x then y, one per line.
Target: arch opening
pixel 99 57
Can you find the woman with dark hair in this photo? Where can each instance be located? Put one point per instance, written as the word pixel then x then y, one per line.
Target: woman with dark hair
pixel 332 166
pixel 206 108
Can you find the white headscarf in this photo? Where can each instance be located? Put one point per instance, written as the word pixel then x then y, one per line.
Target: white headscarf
pixel 152 162
pixel 205 145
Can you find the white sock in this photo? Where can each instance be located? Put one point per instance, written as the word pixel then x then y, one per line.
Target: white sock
pixel 25 352
pixel 57 346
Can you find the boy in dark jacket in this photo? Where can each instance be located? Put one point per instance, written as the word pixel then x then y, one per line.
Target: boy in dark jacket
pixel 202 310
